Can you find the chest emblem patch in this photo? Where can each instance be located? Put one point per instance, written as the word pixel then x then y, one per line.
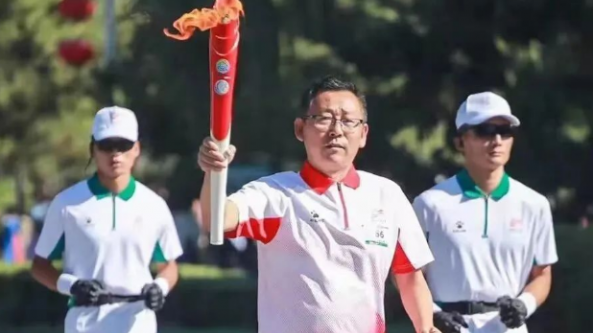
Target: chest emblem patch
pixel 315 218
pixel 516 225
pixel 459 227
pixel 378 230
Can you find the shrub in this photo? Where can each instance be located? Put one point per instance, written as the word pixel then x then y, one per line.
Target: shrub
pixel 211 297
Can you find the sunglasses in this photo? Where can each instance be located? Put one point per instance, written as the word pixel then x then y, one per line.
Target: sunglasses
pixel 114 145
pixel 489 131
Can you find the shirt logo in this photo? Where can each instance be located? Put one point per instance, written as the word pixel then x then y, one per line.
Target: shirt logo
pixel 378 216
pixel 459 227
pixel 315 218
pixel 516 225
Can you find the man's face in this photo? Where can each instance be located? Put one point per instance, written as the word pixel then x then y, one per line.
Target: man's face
pixel 115 156
pixel 489 144
pixel 333 130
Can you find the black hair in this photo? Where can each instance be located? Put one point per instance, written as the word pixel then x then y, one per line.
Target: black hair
pixel 462 130
pixel 331 83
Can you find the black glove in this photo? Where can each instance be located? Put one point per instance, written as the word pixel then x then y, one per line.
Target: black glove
pixel 153 296
pixel 513 312
pixel 449 322
pixel 86 292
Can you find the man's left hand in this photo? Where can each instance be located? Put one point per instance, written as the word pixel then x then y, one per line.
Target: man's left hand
pixel 513 311
pixel 153 296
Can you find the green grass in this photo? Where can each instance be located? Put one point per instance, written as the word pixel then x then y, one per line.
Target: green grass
pixel 186 271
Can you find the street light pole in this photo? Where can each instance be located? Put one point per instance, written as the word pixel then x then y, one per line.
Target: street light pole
pixel 110 33
pixel 109 60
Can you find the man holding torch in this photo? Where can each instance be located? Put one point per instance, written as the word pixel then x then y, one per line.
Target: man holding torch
pixel 328 236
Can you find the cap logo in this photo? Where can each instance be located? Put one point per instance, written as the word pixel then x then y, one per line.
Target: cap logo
pixel 478 101
pixel 483 100
pixel 113 116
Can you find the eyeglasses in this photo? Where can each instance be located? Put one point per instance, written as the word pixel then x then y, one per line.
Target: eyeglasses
pixel 489 131
pixel 325 122
pixel 114 145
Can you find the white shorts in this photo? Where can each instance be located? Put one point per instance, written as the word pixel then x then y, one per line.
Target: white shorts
pixel 112 318
pixel 488 323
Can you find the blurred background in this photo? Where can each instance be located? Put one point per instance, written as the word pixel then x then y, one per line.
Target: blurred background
pixel 62 60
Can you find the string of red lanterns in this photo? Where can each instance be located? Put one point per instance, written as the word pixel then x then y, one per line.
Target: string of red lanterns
pixel 77 10
pixel 76 52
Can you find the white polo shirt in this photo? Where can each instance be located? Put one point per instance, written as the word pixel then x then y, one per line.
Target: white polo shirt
pixel 484 246
pixel 326 249
pixel 111 238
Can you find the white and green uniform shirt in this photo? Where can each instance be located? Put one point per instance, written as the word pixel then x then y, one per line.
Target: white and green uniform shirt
pixel 484 246
pixel 108 237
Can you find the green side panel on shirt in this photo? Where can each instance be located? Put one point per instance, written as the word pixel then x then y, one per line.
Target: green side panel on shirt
pixel 158 255
pixel 58 249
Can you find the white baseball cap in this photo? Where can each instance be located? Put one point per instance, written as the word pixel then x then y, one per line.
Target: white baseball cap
pixel 481 107
pixel 115 122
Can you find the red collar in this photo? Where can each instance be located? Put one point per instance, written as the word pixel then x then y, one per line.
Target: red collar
pixel 320 182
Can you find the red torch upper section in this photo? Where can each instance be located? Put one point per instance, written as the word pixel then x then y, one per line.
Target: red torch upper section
pixel 223 22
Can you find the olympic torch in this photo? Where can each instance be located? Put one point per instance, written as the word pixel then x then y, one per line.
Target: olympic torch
pixel 223 22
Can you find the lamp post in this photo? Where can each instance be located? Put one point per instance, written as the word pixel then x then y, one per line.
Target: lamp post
pixel 109 75
pixel 110 33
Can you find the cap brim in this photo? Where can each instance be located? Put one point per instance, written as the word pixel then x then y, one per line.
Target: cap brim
pixel 484 118
pixel 114 134
pixel 119 138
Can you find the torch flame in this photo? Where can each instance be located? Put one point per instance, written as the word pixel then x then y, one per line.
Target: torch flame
pixel 222 12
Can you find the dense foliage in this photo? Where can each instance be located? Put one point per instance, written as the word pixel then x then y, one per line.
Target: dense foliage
pixel 416 60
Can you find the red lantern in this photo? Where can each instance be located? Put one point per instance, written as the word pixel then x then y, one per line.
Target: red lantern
pixel 76 10
pixel 76 52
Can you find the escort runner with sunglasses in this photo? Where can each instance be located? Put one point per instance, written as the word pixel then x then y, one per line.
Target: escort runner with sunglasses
pixel 488 131
pixel 114 145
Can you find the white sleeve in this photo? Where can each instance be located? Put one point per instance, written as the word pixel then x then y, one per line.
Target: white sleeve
pixel 412 251
pixel 545 243
pixel 51 242
pixel 168 246
pixel 261 209
pixel 424 216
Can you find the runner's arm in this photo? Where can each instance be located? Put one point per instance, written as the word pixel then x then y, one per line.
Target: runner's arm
pixel 45 273
pixel 416 298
